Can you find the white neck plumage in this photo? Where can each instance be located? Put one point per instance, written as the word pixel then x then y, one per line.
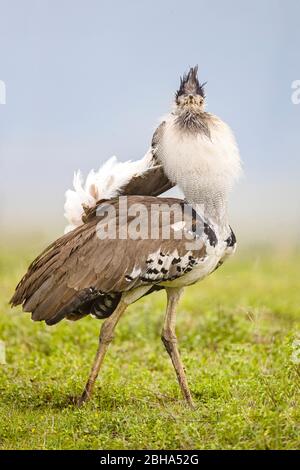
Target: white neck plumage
pixel 205 168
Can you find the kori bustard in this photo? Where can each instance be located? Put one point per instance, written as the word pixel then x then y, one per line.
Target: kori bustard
pixel 109 257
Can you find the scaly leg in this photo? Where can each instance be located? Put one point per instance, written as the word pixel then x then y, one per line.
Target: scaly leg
pixel 105 338
pixel 170 341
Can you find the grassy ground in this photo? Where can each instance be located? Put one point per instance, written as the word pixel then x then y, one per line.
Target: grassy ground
pixel 235 330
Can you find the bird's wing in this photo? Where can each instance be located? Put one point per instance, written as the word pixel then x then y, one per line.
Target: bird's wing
pixel 157 137
pixel 143 177
pixel 153 180
pixel 80 266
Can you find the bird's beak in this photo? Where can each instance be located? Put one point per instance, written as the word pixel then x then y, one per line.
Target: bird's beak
pixel 191 99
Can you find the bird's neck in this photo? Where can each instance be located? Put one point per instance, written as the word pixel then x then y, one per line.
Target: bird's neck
pixel 204 165
pixel 193 120
pixel 209 198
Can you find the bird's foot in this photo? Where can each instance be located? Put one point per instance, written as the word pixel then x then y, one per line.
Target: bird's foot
pixel 191 404
pixel 188 399
pixel 83 399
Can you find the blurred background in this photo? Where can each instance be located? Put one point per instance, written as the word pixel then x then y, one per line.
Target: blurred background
pixel 89 79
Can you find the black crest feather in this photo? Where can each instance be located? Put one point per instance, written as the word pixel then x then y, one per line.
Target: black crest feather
pixel 189 84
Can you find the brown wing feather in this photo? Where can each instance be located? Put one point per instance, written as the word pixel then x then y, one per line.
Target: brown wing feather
pixel 79 267
pixel 152 182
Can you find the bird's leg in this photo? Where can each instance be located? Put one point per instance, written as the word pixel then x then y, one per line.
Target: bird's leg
pixel 105 338
pixel 170 341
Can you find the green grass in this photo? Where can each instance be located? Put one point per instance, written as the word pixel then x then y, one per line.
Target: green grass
pixel 235 331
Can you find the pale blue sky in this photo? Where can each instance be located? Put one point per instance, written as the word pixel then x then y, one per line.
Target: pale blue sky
pixel 87 79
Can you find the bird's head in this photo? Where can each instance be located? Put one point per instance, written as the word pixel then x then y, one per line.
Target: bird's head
pixel 190 96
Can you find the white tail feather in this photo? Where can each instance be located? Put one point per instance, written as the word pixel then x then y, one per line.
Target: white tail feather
pixel 102 184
